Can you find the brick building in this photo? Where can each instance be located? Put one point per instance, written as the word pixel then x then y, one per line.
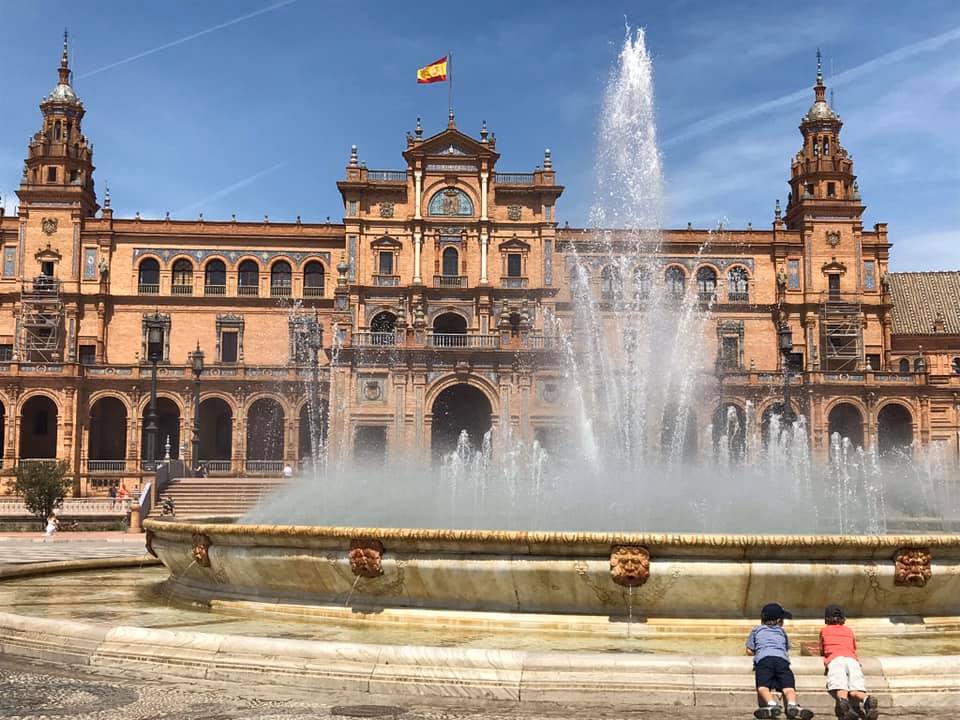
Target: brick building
pixel 439 297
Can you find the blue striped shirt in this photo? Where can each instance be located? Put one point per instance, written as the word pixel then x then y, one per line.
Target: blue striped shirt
pixel 768 641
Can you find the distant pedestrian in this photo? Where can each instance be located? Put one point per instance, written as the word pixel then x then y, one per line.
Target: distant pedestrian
pixel 112 492
pixel 52 525
pixel 287 471
pixel 123 494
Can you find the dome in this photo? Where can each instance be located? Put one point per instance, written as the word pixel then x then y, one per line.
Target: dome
pixel 820 110
pixel 62 93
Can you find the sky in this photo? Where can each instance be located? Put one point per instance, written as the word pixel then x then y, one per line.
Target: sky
pixel 251 106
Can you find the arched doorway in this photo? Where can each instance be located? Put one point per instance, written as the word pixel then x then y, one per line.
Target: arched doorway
pixel 383 328
pixel 730 422
pixel 38 429
pixel 894 430
pixel 108 430
pixel 264 434
pixel 845 419
pixel 449 330
pixel 215 423
pixel 168 427
pixel 304 443
pixel 457 408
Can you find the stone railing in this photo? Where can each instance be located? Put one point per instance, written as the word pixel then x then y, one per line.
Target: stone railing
pixel 106 466
pixel 387 175
pixel 14 507
pixel 263 467
pixel 513 178
pixel 455 341
pixel 217 467
pixel 374 339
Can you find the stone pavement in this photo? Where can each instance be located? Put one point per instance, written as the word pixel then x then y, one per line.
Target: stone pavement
pixel 21 548
pixel 31 690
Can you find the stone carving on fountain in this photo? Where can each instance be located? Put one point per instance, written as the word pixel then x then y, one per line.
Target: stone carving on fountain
pixel 912 567
pixel 629 565
pixel 365 556
pixel 149 543
pixel 201 549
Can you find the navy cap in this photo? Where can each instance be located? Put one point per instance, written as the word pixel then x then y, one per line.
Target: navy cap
pixel 833 611
pixel 774 611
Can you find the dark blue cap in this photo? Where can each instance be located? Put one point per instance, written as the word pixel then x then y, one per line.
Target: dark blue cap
pixel 774 611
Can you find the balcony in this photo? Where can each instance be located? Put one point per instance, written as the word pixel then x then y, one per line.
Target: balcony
pixel 280 291
pixel 148 288
pixel 313 292
pixel 106 466
pixel 217 467
pixel 264 467
pixel 248 290
pixel 738 297
pixel 513 178
pixel 386 280
pixel 374 339
pixel 514 282
pixel 215 290
pixel 387 175
pixel 449 281
pixel 457 341
pixel 181 289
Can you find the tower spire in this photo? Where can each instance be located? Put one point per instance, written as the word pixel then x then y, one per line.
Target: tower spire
pixel 65 59
pixel 820 89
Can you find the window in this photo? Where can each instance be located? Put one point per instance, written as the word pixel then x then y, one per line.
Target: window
pixel 74 176
pixel 450 201
pixel 611 284
pixel 451 260
pixel 833 282
pixel 149 277
pixel 352 208
pixel 548 213
pixel 514 265
pixel 46 268
pixel 57 130
pixel 228 346
pixel 641 284
pixel 51 174
pixel 808 190
pixel 6 352
pixel 738 285
pixel 87 354
pixel 918 365
pixel 730 352
pixel 248 278
pixel 706 283
pixel 795 361
pixel 793 274
pixel 313 279
pixel 954 365
pixel 281 279
pixel 869 275
pixel 873 362
pixel 215 278
pixel 385 262
pixel 831 186
pixel 904 365
pixel 676 281
pixel 182 277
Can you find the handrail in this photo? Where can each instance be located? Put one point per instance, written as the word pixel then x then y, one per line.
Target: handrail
pixel 513 178
pixel 387 175
pixel 461 340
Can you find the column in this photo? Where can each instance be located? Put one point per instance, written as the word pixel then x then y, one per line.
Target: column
pixel 483 195
pixel 417 182
pixel 484 243
pixel 417 244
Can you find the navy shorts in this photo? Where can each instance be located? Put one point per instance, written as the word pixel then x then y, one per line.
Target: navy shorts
pixel 774 673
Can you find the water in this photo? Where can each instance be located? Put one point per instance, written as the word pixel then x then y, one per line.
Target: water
pixel 636 367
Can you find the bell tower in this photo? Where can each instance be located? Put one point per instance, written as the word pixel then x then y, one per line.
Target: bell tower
pixel 59 164
pixel 822 182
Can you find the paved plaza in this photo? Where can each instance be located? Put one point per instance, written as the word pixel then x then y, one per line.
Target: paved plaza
pixel 24 548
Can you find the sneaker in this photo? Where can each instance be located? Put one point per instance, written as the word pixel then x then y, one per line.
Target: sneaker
pixel 795 711
pixel 770 711
pixel 845 710
pixel 871 709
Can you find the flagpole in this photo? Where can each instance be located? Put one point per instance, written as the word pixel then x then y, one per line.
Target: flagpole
pixel 449 84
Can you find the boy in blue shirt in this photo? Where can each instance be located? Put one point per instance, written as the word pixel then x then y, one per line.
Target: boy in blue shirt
pixel 770 647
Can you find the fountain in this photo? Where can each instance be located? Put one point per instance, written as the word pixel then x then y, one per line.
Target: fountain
pixel 626 522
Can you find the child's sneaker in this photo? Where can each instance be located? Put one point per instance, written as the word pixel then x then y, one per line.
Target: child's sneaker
pixel 795 711
pixel 871 710
pixel 845 710
pixel 770 711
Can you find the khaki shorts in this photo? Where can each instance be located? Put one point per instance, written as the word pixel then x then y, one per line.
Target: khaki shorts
pixel 845 673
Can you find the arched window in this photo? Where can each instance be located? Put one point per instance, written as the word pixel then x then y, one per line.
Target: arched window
pixel 918 365
pixel 611 284
pixel 149 277
pixel 904 365
pixel 641 284
pixel 676 281
pixel 182 277
pixel 313 279
pixel 450 202
pixel 383 329
pixel 955 365
pixel 215 278
pixel 451 262
pixel 738 285
pixel 281 279
pixel 248 278
pixel 706 283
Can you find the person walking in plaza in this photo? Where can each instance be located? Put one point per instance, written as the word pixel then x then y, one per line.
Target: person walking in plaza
pixel 770 647
pixel 845 681
pixel 53 524
pixel 112 492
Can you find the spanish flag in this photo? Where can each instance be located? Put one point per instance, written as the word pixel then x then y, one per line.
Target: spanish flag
pixel 434 72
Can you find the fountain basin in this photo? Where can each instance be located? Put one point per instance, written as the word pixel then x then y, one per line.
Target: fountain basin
pixel 690 576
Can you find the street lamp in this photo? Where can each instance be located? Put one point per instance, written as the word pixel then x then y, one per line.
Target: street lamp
pixel 154 348
pixel 196 365
pixel 785 335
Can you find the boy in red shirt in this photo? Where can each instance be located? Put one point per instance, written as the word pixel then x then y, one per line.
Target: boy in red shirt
pixel 845 681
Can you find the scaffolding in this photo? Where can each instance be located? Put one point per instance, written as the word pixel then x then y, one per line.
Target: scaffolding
pixel 41 320
pixel 841 334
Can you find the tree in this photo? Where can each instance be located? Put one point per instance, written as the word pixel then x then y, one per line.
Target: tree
pixel 42 485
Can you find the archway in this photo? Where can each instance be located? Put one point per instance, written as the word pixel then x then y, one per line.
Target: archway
pixel 450 330
pixel 305 444
pixel 108 430
pixel 265 430
pixel 38 428
pixel 894 430
pixel 457 408
pixel 845 419
pixel 730 422
pixel 168 426
pixel 215 424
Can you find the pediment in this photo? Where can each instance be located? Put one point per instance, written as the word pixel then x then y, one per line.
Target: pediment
pixel 834 268
pixel 450 144
pixel 386 241
pixel 48 253
pixel 513 243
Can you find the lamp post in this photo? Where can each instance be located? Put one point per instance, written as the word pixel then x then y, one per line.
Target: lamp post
pixel 196 365
pixel 785 335
pixel 154 348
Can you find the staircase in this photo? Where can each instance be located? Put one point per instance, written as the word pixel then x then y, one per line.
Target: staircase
pixel 195 497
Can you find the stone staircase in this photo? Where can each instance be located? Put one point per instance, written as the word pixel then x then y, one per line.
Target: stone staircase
pixel 196 497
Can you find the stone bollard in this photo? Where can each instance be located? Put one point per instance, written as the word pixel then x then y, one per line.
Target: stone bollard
pixel 135 525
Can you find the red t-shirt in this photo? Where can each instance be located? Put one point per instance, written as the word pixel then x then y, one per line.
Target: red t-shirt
pixel 837 641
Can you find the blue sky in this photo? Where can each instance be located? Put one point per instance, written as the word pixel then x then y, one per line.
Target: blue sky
pixel 258 116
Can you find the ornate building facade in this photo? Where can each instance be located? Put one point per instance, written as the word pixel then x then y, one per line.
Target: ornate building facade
pixel 433 306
